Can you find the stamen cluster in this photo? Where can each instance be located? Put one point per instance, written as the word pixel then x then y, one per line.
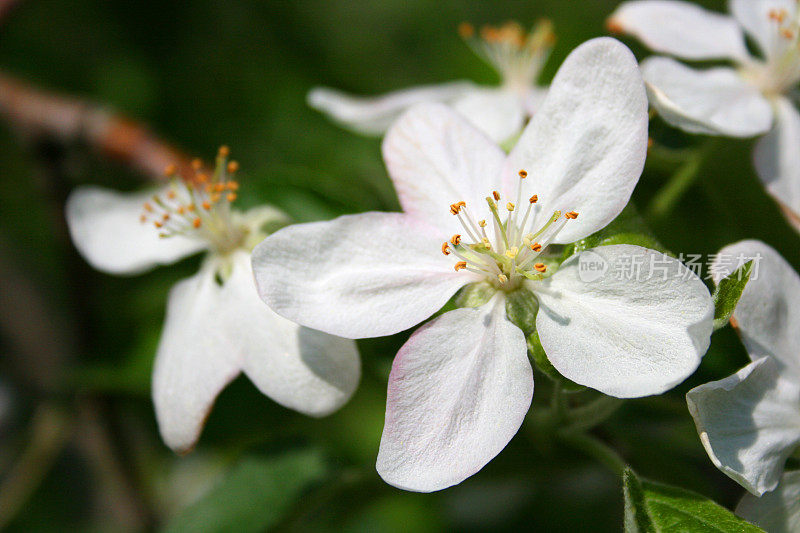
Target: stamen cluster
pixel 517 56
pixel 198 205
pixel 509 251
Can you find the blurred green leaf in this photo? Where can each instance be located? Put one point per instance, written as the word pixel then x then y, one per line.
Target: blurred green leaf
pixel 655 508
pixel 254 495
pixel 728 292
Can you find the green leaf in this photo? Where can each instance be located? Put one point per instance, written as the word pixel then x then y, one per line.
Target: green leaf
pixel 253 495
pixel 728 292
pixel 628 228
pixel 655 508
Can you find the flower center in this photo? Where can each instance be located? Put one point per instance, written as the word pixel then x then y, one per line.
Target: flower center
pixel 511 249
pixel 781 71
pixel 198 206
pixel 518 57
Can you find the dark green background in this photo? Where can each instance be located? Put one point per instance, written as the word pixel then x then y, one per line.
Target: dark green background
pixel 202 73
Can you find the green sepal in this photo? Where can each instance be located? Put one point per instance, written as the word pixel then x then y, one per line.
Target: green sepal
pixel 539 357
pixel 728 292
pixel 628 228
pixel 521 309
pixel 655 508
pixel 472 295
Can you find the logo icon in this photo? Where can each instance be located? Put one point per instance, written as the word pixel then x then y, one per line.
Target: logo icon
pixel 591 266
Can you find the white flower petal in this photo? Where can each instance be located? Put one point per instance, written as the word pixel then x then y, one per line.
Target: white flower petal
pixel 213 331
pixel 194 362
pixel 497 112
pixel 357 276
pixel 749 423
pixel 681 29
pixel 106 230
pixel 768 313
pixel 777 156
pixel 458 391
pixel 639 328
pixel 534 99
pixel 585 148
pixel 777 511
pixel 374 115
pixel 715 101
pixel 300 368
pixel 435 158
pixel 753 15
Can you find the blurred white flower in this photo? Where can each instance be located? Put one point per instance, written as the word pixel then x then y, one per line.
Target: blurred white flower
pixel 500 112
pixel 753 97
pixel 460 387
pixel 749 423
pixel 216 326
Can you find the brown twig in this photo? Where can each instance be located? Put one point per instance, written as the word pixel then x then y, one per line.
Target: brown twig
pixel 69 120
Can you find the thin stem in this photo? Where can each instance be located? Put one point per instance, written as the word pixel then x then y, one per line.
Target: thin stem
pixel 558 404
pixel 681 180
pixel 587 416
pixel 50 431
pixel 595 448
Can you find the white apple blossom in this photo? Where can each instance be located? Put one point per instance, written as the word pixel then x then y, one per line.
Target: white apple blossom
pixel 216 326
pixel 500 112
pixel 777 511
pixel 460 387
pixel 749 422
pixel 755 96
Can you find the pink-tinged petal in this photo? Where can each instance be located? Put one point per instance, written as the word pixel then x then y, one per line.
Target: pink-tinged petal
pixel 715 101
pixel 777 158
pixel 754 17
pixel 357 276
pixel 435 158
pixel 584 149
pixel 749 423
pixel 624 320
pixel 194 361
pixel 497 112
pixel 777 511
pixel 374 115
pixel 106 229
pixel 681 29
pixel 458 392
pixel 768 313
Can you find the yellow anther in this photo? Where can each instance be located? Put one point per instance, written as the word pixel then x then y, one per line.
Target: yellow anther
pixel 231 197
pixel 482 223
pixel 778 15
pixel 219 187
pixel 196 223
pixel 502 278
pixel 523 174
pixel 202 178
pixel 466 30
pixel 148 207
pixel 533 199
pixel 197 164
pixel 787 33
pixel 171 194
pixel 455 239
pixel 191 207
pixel 157 223
pixel 181 210
pixel 510 206
pixel 224 151
pixel 540 267
pixel 572 215
pixel 445 248
pixel 206 205
pixel 486 243
pixel 460 265
pixel 512 252
pixel 233 167
pixel 456 207
pixel 536 247
pixel 496 195
pixel 215 197
pixel 233 185
pixel 143 219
